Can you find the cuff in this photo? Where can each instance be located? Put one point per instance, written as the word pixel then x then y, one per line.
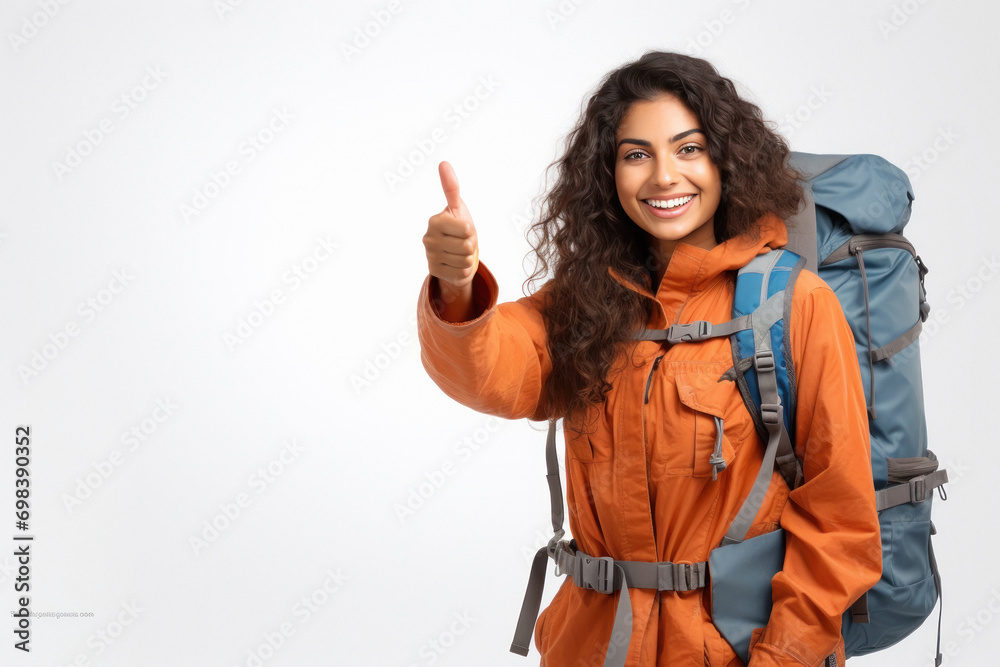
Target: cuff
pixel 764 654
pixel 485 293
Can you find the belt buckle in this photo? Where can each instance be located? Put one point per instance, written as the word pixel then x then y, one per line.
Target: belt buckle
pixel 598 573
pixel 687 576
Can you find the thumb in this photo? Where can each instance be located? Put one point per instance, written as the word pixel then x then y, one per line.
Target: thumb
pixel 449 183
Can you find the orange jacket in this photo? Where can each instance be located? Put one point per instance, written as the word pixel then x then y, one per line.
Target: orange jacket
pixel 641 488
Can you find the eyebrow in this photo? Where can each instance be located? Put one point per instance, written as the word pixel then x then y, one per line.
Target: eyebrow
pixel 643 142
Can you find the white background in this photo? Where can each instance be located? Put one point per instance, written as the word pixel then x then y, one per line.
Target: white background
pixel 915 82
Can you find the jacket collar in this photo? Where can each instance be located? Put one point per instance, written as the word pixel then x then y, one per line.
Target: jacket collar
pixel 692 269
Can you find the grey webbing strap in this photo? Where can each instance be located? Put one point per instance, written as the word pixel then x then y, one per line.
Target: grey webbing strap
pixel 532 601
pixel 536 579
pixel 887 351
pixel 763 318
pixel 868 325
pixel 621 631
pixel 694 331
pixel 596 572
pixel 912 491
pixel 937 585
pixel 771 413
pixel 555 488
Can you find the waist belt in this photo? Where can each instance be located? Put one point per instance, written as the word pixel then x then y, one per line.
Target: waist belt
pixel 604 575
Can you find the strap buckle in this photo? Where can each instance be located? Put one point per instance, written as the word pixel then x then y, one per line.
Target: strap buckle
pixel 763 360
pixel 918 489
pixel 684 333
pixel 687 576
pixel 769 412
pixel 596 572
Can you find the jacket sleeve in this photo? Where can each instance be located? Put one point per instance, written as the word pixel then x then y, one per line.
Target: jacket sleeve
pixel 833 550
pixel 495 363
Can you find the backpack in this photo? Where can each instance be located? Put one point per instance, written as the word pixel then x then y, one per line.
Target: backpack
pixel 849 232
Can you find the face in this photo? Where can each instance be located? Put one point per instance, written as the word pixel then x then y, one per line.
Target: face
pixel 666 181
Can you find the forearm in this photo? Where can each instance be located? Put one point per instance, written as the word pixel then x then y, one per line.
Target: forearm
pixel 494 361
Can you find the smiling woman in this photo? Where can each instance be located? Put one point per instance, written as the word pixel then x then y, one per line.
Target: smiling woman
pixel 670 185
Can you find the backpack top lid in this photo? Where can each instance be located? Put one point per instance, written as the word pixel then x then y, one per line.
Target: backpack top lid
pixel 861 194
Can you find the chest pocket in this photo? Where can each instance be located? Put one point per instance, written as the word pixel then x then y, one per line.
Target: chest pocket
pixel 694 424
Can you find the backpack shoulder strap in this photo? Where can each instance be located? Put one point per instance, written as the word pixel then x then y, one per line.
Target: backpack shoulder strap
pixel 764 288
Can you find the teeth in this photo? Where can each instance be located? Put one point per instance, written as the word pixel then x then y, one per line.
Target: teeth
pixel 669 203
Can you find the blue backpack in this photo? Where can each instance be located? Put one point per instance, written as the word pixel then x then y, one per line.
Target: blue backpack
pixel 849 232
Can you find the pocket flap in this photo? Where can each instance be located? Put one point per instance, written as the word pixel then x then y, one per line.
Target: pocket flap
pixel 701 392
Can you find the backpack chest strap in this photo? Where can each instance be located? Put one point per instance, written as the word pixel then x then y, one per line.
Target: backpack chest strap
pixel 695 331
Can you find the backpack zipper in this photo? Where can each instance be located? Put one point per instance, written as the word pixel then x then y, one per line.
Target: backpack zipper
pixel 865 242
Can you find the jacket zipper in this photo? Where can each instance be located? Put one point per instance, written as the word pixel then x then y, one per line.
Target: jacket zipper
pixel 645 452
pixel 649 381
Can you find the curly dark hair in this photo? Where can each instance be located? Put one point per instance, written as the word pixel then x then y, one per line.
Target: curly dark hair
pixel 583 228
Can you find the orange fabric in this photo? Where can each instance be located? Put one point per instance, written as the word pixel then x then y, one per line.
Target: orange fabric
pixel 640 487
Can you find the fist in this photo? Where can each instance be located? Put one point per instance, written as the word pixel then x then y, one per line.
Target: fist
pixel 451 242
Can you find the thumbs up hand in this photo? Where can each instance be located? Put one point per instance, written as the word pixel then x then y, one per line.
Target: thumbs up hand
pixel 451 242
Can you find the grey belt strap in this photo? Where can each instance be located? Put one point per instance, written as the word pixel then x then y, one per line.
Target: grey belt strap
pixel 596 572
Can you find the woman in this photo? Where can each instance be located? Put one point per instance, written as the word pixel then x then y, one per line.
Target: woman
pixel 670 183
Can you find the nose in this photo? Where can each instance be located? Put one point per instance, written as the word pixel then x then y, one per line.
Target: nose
pixel 664 173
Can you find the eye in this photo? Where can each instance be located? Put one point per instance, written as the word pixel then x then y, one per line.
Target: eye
pixel 634 153
pixel 695 149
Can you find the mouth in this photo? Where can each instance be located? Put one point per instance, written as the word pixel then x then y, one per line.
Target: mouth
pixel 668 208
